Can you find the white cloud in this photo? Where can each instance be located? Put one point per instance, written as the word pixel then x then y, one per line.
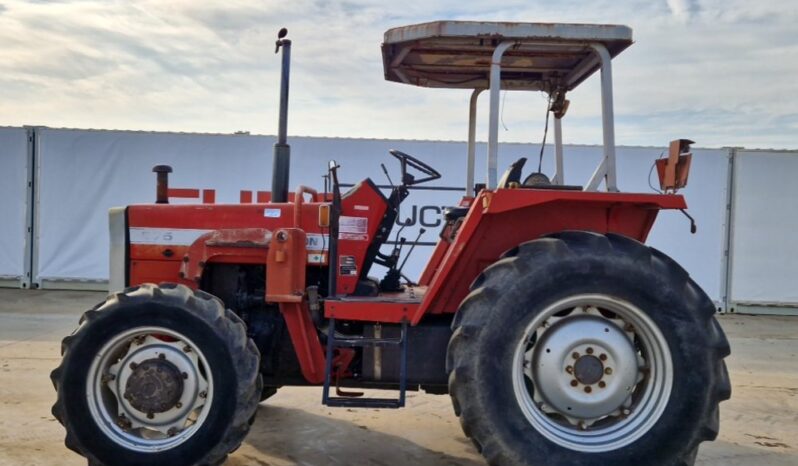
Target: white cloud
pixel 721 78
pixel 683 9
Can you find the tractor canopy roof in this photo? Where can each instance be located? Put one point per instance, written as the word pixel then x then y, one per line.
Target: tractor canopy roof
pixel 458 54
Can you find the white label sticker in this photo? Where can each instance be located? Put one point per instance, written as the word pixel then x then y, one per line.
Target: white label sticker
pixel 317 242
pixel 272 213
pixel 354 228
pixel 317 258
pixel 361 207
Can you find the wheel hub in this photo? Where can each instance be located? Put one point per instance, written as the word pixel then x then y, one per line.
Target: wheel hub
pixel 150 388
pixel 155 386
pixel 588 370
pixel 585 367
pixel 592 373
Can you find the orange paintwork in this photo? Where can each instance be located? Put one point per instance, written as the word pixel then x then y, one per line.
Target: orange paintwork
pixel 245 234
pixel 286 265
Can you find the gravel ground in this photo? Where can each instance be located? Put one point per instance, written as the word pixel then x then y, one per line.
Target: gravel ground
pixel 759 425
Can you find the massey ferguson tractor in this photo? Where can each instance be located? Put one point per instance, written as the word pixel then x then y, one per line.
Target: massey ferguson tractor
pixel 561 338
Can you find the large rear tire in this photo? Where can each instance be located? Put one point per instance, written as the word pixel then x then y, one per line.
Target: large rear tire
pixel 586 349
pixel 158 376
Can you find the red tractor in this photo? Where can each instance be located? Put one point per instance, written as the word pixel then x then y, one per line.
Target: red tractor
pixel 560 336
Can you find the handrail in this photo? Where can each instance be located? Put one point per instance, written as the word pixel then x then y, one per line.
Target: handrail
pixel 300 192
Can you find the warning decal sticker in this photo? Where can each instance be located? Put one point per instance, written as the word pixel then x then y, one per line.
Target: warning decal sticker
pixel 347 266
pixel 354 228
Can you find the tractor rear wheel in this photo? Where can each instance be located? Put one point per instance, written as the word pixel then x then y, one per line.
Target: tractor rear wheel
pixel 158 376
pixel 586 349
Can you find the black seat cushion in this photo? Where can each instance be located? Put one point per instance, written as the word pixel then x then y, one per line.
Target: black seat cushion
pixel 454 213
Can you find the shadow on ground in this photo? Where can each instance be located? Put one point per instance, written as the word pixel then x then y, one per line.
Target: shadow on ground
pixel 298 437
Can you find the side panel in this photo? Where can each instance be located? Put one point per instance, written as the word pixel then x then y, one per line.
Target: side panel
pixel 14 206
pixel 763 242
pixel 362 208
pixel 119 253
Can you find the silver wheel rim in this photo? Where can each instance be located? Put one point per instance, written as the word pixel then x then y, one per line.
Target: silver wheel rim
pixel 121 419
pixel 592 373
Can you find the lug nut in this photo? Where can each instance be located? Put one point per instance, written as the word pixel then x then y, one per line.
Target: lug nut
pixel 150 415
pixel 569 369
pixel 589 350
pixel 575 355
pixel 574 383
pixel 608 370
pixel 161 356
pixel 123 422
pixel 603 357
pixel 133 366
pixel 178 405
pixel 185 376
pixel 588 389
pixel 602 384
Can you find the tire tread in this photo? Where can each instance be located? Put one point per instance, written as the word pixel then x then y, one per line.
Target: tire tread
pixel 228 327
pixel 475 310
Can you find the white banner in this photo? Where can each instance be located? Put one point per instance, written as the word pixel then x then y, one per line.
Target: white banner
pixel 765 221
pixel 84 173
pixel 701 254
pixel 13 204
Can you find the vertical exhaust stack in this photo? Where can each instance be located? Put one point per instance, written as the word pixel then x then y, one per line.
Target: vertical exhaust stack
pixel 162 183
pixel 282 151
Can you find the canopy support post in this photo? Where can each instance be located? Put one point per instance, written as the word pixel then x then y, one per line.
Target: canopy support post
pixel 493 129
pixel 559 174
pixel 472 142
pixel 606 168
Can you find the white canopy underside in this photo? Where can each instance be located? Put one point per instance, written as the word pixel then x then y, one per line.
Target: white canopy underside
pixel 457 54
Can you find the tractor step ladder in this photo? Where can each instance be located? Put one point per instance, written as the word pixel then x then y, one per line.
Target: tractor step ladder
pixel 353 342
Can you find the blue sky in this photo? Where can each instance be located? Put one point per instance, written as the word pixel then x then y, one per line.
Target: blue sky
pixel 721 72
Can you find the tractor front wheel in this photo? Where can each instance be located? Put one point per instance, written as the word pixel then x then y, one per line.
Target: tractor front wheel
pixel 586 349
pixel 158 376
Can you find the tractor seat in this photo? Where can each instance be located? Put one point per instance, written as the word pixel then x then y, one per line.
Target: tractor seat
pixel 453 213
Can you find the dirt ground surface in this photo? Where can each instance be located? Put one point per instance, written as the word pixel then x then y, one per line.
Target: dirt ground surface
pixel 759 425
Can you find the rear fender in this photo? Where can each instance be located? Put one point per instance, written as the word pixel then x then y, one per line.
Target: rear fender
pixel 502 219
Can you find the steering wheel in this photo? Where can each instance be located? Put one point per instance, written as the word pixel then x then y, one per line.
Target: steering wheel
pixel 408 160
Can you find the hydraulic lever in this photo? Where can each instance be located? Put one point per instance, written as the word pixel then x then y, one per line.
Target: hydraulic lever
pixel 412 246
pixel 385 170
